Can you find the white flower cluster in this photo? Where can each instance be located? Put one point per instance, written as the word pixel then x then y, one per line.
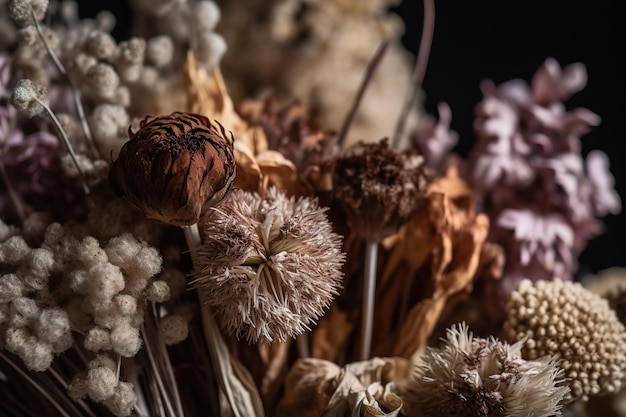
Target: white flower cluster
pixel 111 78
pixel 73 285
pixel 305 44
pixel 186 23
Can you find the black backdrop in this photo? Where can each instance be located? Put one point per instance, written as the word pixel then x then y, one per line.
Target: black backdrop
pixel 502 40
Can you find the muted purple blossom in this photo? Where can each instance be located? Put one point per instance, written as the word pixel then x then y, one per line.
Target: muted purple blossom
pixel 547 238
pixel 31 157
pixel 434 139
pixel 531 179
pixel 605 199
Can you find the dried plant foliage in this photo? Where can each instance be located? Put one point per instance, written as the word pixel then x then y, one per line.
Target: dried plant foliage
pixel 315 387
pixel 436 255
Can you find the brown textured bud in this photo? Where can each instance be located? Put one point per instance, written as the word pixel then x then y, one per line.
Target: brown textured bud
pixel 175 167
pixel 379 188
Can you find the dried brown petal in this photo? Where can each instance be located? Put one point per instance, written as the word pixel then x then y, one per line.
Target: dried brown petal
pixel 249 175
pixel 175 167
pixel 308 388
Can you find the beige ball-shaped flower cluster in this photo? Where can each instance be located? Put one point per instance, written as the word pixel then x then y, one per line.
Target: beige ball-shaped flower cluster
pixel 566 320
pixel 72 284
pixel 470 376
pixel 185 23
pixel 114 81
pixel 101 384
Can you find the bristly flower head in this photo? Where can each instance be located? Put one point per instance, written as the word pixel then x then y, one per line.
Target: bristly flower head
pixel 175 167
pixel 378 188
pixel 268 265
pixel 474 377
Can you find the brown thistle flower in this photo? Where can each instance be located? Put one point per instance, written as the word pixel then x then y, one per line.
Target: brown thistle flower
pixel 175 167
pixel 379 188
pixel 269 265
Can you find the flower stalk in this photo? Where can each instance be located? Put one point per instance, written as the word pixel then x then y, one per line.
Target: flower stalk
pixel 369 291
pixel 420 69
pixel 67 143
pixel 218 351
pixel 75 94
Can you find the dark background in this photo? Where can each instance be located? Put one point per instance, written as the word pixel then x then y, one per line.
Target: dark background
pixel 502 40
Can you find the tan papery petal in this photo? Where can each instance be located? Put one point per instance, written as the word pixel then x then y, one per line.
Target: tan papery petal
pixel 368 388
pixel 207 95
pixel 278 171
pixel 249 175
pixel 308 388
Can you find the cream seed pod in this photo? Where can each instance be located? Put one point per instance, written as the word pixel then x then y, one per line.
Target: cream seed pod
pixel 565 320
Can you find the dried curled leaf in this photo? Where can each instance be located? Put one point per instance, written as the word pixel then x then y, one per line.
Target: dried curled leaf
pixel 369 388
pixel 308 388
pixel 442 248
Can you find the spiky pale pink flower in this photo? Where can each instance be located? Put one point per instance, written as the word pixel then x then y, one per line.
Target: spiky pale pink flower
pixel 268 265
pixel 474 377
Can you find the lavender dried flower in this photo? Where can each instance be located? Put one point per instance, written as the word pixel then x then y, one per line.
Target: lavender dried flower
pixel 434 139
pixel 531 179
pixel 269 265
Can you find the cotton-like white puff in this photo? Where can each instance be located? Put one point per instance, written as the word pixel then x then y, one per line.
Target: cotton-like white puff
pixel 13 250
pixel 103 281
pixel 158 291
pixel 52 324
pixel 126 304
pixel 121 403
pixel 173 329
pixel 11 287
pixel 97 339
pixel 205 16
pixel 101 383
pixel 125 340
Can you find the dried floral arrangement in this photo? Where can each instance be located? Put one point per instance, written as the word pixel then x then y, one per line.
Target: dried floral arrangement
pixel 173 247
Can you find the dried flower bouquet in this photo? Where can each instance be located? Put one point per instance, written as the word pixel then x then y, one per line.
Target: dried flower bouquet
pixel 170 247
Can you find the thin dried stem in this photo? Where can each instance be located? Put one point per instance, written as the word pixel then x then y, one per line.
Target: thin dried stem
pixel 369 74
pixel 75 93
pixel 157 375
pixel 224 366
pixel 67 143
pixel 166 366
pixel 35 385
pixel 420 69
pixel 13 195
pixel 369 290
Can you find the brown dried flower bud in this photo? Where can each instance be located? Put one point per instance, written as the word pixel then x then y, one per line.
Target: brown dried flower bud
pixel 379 188
pixel 175 167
